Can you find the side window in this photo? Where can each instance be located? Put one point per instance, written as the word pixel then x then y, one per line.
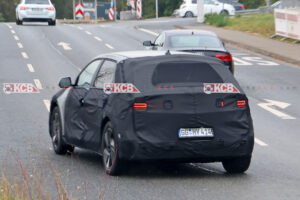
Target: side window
pixel 106 73
pixel 208 2
pixel 86 76
pixel 194 1
pixel 160 40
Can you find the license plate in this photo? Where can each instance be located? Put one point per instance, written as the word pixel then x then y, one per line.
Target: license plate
pixel 37 9
pixel 195 132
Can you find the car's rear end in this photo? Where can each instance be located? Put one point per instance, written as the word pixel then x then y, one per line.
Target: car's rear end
pixel 190 109
pixel 37 11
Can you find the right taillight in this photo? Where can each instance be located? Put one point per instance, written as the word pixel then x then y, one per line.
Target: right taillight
pixel 140 106
pixel 241 103
pixel 24 8
pixel 224 57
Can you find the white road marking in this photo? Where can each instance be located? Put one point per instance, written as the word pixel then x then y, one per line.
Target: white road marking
pixel 24 54
pixel 65 46
pixel 282 105
pixel 16 37
pixel 240 62
pixel 47 104
pixel 30 67
pixel 109 46
pixel 105 26
pixel 12 31
pixel 87 32
pixel 260 61
pixel 38 84
pixel 97 38
pixel 148 31
pixel 259 142
pixel 9 26
pixel 20 45
pixel 79 27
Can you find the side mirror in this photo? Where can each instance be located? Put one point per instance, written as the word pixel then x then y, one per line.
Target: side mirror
pixel 147 43
pixel 65 82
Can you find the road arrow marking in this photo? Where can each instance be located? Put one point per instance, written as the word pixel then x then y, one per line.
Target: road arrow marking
pixel 268 106
pixel 47 104
pixel 66 46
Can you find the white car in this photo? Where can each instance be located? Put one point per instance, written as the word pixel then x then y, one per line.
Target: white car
pixel 189 8
pixel 37 11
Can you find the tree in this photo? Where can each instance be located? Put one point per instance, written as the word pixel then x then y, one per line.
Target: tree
pixel 8 9
pixel 1 18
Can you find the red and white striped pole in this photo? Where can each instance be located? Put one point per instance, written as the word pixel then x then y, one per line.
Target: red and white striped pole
pixel 139 9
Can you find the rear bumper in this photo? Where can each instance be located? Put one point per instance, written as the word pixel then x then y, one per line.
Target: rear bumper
pixel 37 19
pixel 40 18
pixel 187 150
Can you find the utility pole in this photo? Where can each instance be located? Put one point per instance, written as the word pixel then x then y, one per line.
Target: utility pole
pixel 200 5
pixel 115 10
pixel 73 9
pixel 268 3
pixel 156 12
pixel 96 14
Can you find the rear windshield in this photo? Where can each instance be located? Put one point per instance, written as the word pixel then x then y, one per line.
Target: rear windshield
pixel 194 41
pixel 171 72
pixel 44 2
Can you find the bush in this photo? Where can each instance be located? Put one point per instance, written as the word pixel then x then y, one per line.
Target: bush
pixel 1 18
pixel 216 20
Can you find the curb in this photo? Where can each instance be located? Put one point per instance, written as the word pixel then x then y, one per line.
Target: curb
pixel 257 50
pixel 71 21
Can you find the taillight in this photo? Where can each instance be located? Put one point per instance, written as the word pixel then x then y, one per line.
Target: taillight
pixel 140 106
pixel 242 6
pixel 24 8
pixel 224 57
pixel 241 103
pixel 51 8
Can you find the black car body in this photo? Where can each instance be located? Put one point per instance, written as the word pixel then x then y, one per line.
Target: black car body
pixel 194 41
pixel 174 116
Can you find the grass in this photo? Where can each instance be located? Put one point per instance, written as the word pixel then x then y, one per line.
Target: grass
pixel 260 24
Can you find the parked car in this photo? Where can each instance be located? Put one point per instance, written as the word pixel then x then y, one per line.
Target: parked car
pixel 194 41
pixel 154 105
pixel 189 8
pixel 236 4
pixel 35 11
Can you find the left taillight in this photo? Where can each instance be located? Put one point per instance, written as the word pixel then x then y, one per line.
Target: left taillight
pixel 224 57
pixel 242 6
pixel 24 8
pixel 51 8
pixel 241 103
pixel 140 106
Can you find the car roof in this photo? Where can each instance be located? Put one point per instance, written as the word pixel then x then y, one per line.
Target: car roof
pixel 196 32
pixel 120 56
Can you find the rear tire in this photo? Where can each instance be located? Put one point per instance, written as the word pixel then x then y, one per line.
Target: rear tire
pixel 52 23
pixel 59 146
pixel 19 22
pixel 110 155
pixel 224 12
pixel 237 165
pixel 189 14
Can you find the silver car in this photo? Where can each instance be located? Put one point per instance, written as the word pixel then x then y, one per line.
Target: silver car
pixel 37 11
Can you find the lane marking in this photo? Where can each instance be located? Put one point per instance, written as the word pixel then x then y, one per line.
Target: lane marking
pixel 105 26
pixel 109 46
pixel 38 84
pixel 259 142
pixel 30 67
pixel 260 61
pixel 79 27
pixel 87 32
pixel 282 105
pixel 12 31
pixel 148 31
pixel 97 38
pixel 16 38
pixel 47 104
pixel 9 26
pixel 65 46
pixel 20 45
pixel 24 55
pixel 240 62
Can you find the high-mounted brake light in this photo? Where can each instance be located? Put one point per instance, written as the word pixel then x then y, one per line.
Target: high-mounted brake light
pixel 24 8
pixel 224 57
pixel 51 8
pixel 140 106
pixel 241 103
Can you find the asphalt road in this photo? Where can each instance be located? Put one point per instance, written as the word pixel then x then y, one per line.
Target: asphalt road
pixel 41 55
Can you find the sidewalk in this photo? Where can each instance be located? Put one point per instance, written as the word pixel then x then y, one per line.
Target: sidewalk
pixel 279 50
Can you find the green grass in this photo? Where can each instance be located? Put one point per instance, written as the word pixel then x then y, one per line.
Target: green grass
pixel 261 24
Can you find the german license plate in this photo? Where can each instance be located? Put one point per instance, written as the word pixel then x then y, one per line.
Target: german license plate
pixel 37 9
pixel 195 133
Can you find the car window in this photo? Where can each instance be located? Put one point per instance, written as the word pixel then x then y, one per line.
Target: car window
pixel 208 2
pixel 194 41
pixel 106 73
pixel 86 76
pixel 160 40
pixel 194 1
pixel 44 2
